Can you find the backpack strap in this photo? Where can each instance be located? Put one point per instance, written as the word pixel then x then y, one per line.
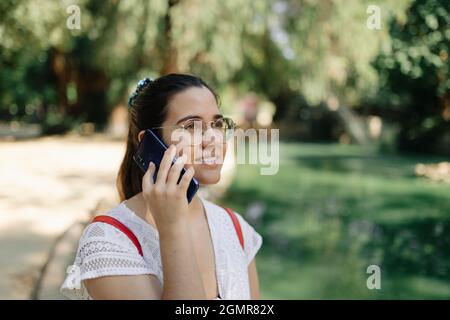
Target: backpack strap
pixel 237 226
pixel 119 225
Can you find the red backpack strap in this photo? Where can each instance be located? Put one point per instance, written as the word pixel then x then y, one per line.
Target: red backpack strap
pixel 237 226
pixel 119 225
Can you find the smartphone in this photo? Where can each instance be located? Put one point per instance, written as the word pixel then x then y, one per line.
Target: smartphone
pixel 152 148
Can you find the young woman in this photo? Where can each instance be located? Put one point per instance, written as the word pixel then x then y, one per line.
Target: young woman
pixel 188 250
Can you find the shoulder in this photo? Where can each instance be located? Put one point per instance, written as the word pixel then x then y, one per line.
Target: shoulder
pixel 101 232
pixel 104 250
pixel 252 239
pixel 100 236
pixel 141 229
pixel 126 237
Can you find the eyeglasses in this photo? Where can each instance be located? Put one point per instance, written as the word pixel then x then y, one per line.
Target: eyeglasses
pixel 223 126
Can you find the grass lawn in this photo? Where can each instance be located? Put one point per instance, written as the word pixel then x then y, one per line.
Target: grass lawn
pixel 333 210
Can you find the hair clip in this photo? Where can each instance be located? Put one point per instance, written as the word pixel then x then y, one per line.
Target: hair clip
pixel 140 86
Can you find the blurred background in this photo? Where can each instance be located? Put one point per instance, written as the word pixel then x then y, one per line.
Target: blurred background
pixel 363 109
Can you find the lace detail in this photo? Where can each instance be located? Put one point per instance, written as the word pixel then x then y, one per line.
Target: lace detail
pixel 252 239
pixel 104 250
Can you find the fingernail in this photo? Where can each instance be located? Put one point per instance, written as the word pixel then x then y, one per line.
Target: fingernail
pixel 181 159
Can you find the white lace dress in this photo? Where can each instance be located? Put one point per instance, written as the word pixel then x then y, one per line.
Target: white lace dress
pixel 104 250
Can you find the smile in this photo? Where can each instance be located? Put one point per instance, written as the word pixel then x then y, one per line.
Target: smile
pixel 208 160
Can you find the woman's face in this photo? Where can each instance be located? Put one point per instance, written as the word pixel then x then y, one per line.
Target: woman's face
pixel 205 149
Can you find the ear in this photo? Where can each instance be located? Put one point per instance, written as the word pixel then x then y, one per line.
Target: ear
pixel 141 135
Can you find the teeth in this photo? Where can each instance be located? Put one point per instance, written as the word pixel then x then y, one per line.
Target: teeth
pixel 209 160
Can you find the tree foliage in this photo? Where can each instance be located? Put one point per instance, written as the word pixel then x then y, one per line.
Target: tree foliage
pixel 414 74
pixel 296 53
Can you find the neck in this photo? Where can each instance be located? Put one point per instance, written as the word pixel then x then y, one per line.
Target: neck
pixel 195 205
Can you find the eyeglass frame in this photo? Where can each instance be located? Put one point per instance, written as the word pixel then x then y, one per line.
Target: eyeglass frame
pixel 182 126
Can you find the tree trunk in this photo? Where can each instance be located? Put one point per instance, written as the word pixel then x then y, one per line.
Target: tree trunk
pixel 169 51
pixel 353 124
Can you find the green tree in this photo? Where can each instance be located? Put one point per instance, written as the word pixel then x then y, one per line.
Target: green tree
pixel 414 71
pixel 321 50
pixel 88 71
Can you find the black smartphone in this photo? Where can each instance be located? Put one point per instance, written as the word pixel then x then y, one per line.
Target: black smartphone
pixel 152 148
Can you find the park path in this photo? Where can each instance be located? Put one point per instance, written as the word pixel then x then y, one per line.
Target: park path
pixel 48 184
pixel 50 188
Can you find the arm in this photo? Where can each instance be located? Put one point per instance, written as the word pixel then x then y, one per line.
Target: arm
pixel 181 275
pixel 139 287
pixel 253 279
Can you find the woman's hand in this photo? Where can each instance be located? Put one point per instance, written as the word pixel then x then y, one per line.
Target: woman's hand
pixel 165 199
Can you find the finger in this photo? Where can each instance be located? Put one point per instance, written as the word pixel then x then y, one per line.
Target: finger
pixel 174 172
pixel 184 149
pixel 186 179
pixel 147 180
pixel 165 165
pixel 179 149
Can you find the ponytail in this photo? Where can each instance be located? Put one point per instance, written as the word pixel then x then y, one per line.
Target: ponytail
pixel 129 179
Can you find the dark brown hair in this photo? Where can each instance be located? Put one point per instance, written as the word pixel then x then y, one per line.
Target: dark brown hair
pixel 146 110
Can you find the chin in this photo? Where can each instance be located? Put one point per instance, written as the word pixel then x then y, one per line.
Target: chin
pixel 205 175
